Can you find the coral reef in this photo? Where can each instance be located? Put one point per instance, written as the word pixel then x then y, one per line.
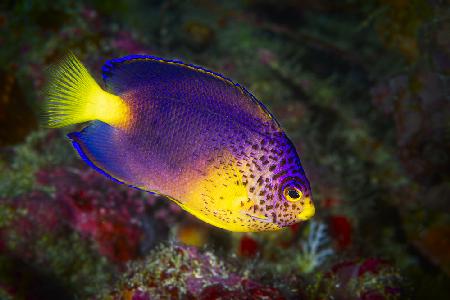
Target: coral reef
pixel 41 257
pixel 180 272
pixel 81 226
pixel 367 279
pixel 361 88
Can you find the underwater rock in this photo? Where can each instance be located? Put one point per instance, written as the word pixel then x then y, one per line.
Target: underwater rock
pixel 16 117
pixel 38 249
pixel 365 279
pixel 418 105
pixel 218 292
pixel 198 35
pixel 125 42
pixel 399 30
pixel 434 243
pixel 183 272
pixel 439 46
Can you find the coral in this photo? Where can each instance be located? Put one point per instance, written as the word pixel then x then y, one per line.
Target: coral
pixel 41 256
pixel 315 249
pixel 82 227
pixel 370 278
pixel 181 272
pixel 41 148
pixel 340 231
pixel 248 247
pixel 123 222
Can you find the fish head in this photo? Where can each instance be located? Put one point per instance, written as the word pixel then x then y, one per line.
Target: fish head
pixel 278 188
pixel 262 191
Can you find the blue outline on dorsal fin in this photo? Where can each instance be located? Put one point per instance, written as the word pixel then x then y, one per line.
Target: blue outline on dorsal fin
pixel 89 162
pixel 108 67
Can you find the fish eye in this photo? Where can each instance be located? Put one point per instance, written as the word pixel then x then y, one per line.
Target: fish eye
pixel 292 194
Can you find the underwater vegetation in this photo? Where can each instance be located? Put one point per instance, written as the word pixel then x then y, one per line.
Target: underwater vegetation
pixel 360 87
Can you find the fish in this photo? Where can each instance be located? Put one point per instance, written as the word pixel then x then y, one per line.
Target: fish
pixel 186 133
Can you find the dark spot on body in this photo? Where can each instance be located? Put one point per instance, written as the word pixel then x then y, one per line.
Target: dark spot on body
pixel 278 175
pixel 260 181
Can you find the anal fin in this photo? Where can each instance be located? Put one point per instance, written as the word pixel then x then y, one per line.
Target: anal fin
pixel 95 145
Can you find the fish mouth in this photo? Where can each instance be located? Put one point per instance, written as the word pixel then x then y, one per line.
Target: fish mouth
pixel 308 211
pixel 265 220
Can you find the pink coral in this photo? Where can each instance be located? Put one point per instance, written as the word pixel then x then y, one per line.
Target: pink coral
pixel 116 218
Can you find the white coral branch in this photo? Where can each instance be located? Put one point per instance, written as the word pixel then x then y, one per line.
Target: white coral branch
pixel 315 250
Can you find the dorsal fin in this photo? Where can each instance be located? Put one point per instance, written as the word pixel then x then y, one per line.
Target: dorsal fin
pixel 175 79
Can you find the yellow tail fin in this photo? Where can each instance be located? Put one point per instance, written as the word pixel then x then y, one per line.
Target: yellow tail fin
pixel 74 97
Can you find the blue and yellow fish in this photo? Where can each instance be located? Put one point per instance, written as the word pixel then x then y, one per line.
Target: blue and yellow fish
pixel 187 133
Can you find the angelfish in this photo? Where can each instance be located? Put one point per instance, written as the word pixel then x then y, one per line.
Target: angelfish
pixel 186 133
